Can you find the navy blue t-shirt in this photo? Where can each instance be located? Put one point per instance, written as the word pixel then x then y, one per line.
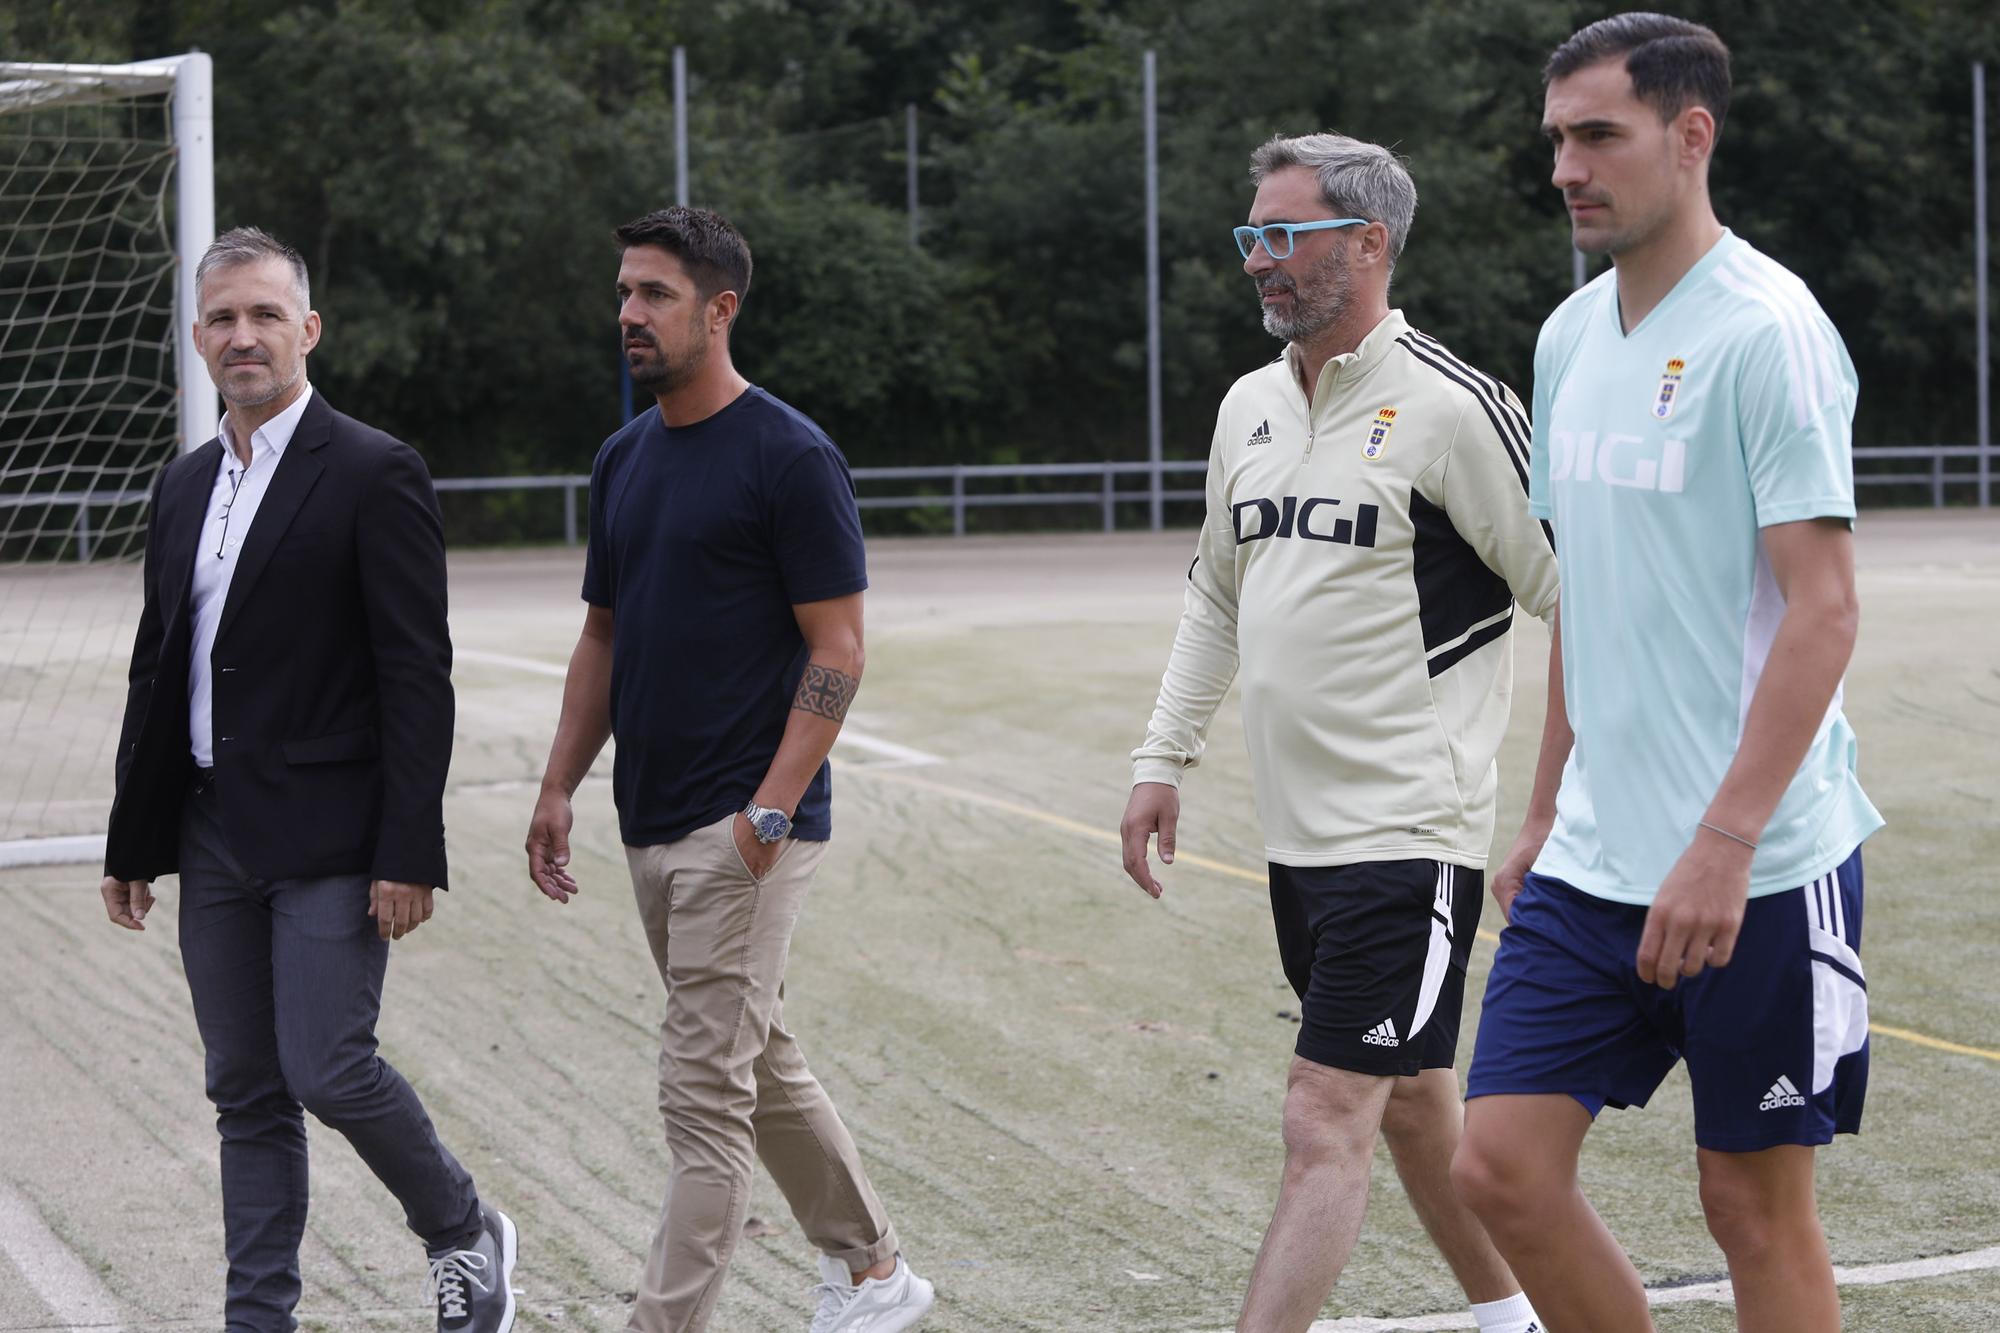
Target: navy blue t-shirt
pixel 702 538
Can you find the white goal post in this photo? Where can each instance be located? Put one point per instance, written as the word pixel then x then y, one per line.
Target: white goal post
pixel 100 386
pixel 190 81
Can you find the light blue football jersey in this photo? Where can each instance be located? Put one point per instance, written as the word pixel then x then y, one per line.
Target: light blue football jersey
pixel 1658 457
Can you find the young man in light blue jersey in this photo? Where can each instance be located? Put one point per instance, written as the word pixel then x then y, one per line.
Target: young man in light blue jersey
pixel 1688 881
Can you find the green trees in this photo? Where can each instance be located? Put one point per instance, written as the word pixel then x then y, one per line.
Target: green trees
pixel 452 168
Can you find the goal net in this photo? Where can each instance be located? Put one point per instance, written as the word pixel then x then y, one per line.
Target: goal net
pixel 106 201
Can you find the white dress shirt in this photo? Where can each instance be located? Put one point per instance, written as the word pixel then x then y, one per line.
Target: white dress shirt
pixel 232 508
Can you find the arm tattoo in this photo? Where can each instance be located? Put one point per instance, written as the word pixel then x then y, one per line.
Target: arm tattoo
pixel 826 692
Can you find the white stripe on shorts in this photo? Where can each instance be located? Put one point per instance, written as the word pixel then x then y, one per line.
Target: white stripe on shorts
pixel 1437 955
pixel 1840 1006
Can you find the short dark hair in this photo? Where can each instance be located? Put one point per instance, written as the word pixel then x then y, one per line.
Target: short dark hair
pixel 1672 62
pixel 714 253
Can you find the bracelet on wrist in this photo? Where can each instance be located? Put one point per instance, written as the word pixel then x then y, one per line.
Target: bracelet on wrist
pixel 1733 837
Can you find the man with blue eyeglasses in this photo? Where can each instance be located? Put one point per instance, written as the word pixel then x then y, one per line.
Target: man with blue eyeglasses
pixel 1367 538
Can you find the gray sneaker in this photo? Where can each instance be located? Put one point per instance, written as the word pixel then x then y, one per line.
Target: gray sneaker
pixel 474 1287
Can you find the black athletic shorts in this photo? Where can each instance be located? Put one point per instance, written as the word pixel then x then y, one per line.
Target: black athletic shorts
pixel 1377 952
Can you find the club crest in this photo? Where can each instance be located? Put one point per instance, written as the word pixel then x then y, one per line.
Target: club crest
pixel 1378 434
pixel 1670 387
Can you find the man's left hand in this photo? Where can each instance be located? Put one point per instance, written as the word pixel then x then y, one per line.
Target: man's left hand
pixel 398 909
pixel 1694 919
pixel 758 857
pixel 1513 872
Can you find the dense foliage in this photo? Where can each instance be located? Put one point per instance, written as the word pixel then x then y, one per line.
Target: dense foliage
pixel 451 169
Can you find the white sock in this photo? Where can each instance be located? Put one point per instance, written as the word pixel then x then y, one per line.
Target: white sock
pixel 1513 1315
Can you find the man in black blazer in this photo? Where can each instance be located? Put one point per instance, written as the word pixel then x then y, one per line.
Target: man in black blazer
pixel 286 737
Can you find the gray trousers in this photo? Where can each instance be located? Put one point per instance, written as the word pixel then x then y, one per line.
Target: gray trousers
pixel 287 983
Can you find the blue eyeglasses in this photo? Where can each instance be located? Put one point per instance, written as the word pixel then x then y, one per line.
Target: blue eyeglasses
pixel 1277 236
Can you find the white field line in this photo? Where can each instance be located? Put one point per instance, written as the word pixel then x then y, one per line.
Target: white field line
pixel 1869 1275
pixel 63 851
pixel 70 1290
pixel 85 848
pixel 540 668
pixel 891 755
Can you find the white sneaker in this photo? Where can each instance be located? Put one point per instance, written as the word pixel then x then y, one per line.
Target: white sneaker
pixel 878 1305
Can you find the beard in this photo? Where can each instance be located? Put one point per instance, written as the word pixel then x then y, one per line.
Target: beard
pixel 257 390
pixel 659 372
pixel 1603 241
pixel 1317 304
pixel 1631 226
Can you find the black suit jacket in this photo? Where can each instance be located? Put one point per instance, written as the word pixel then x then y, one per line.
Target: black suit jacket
pixel 331 667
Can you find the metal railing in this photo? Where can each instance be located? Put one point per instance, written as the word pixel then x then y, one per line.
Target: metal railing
pixel 1935 476
pixel 953 493
pixel 959 486
pixel 961 498
pixel 570 485
pixel 963 488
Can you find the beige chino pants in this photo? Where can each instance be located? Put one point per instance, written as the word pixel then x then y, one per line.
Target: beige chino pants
pixel 733 1084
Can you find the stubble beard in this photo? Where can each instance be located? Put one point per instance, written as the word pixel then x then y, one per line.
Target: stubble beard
pixel 1609 238
pixel 660 374
pixel 1614 243
pixel 1615 239
pixel 1317 304
pixel 274 388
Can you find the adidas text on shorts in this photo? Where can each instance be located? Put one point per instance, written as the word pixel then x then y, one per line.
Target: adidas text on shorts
pixel 1776 1043
pixel 1377 951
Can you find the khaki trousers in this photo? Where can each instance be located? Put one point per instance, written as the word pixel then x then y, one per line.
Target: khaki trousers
pixel 733 1084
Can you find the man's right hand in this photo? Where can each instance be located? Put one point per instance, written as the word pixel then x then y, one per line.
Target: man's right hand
pixel 548 846
pixel 1155 807
pixel 127 901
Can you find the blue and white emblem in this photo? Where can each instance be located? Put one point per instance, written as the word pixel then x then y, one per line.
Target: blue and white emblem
pixel 1670 387
pixel 1378 434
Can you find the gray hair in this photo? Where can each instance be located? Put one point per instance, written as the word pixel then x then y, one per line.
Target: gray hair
pixel 247 245
pixel 1357 179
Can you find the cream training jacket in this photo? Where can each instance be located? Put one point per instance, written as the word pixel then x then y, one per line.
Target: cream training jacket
pixel 1358 570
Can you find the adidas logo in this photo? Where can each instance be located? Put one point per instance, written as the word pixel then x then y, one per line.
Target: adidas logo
pixel 1261 435
pixel 1782 1094
pixel 1382 1034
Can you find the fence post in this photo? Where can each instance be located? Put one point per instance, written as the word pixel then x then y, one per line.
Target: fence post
pixel 958 500
pixel 1110 499
pixel 1153 412
pixel 1937 481
pixel 910 166
pixel 83 531
pixel 1983 359
pixel 569 515
pixel 681 126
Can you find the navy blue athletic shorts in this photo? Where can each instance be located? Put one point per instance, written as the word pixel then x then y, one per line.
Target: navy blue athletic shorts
pixel 1776 1042
pixel 1376 951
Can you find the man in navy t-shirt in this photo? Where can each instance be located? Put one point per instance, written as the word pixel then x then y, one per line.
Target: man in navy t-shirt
pixel 702 539
pixel 722 646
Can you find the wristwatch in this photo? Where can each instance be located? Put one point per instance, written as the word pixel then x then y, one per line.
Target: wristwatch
pixel 768 825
